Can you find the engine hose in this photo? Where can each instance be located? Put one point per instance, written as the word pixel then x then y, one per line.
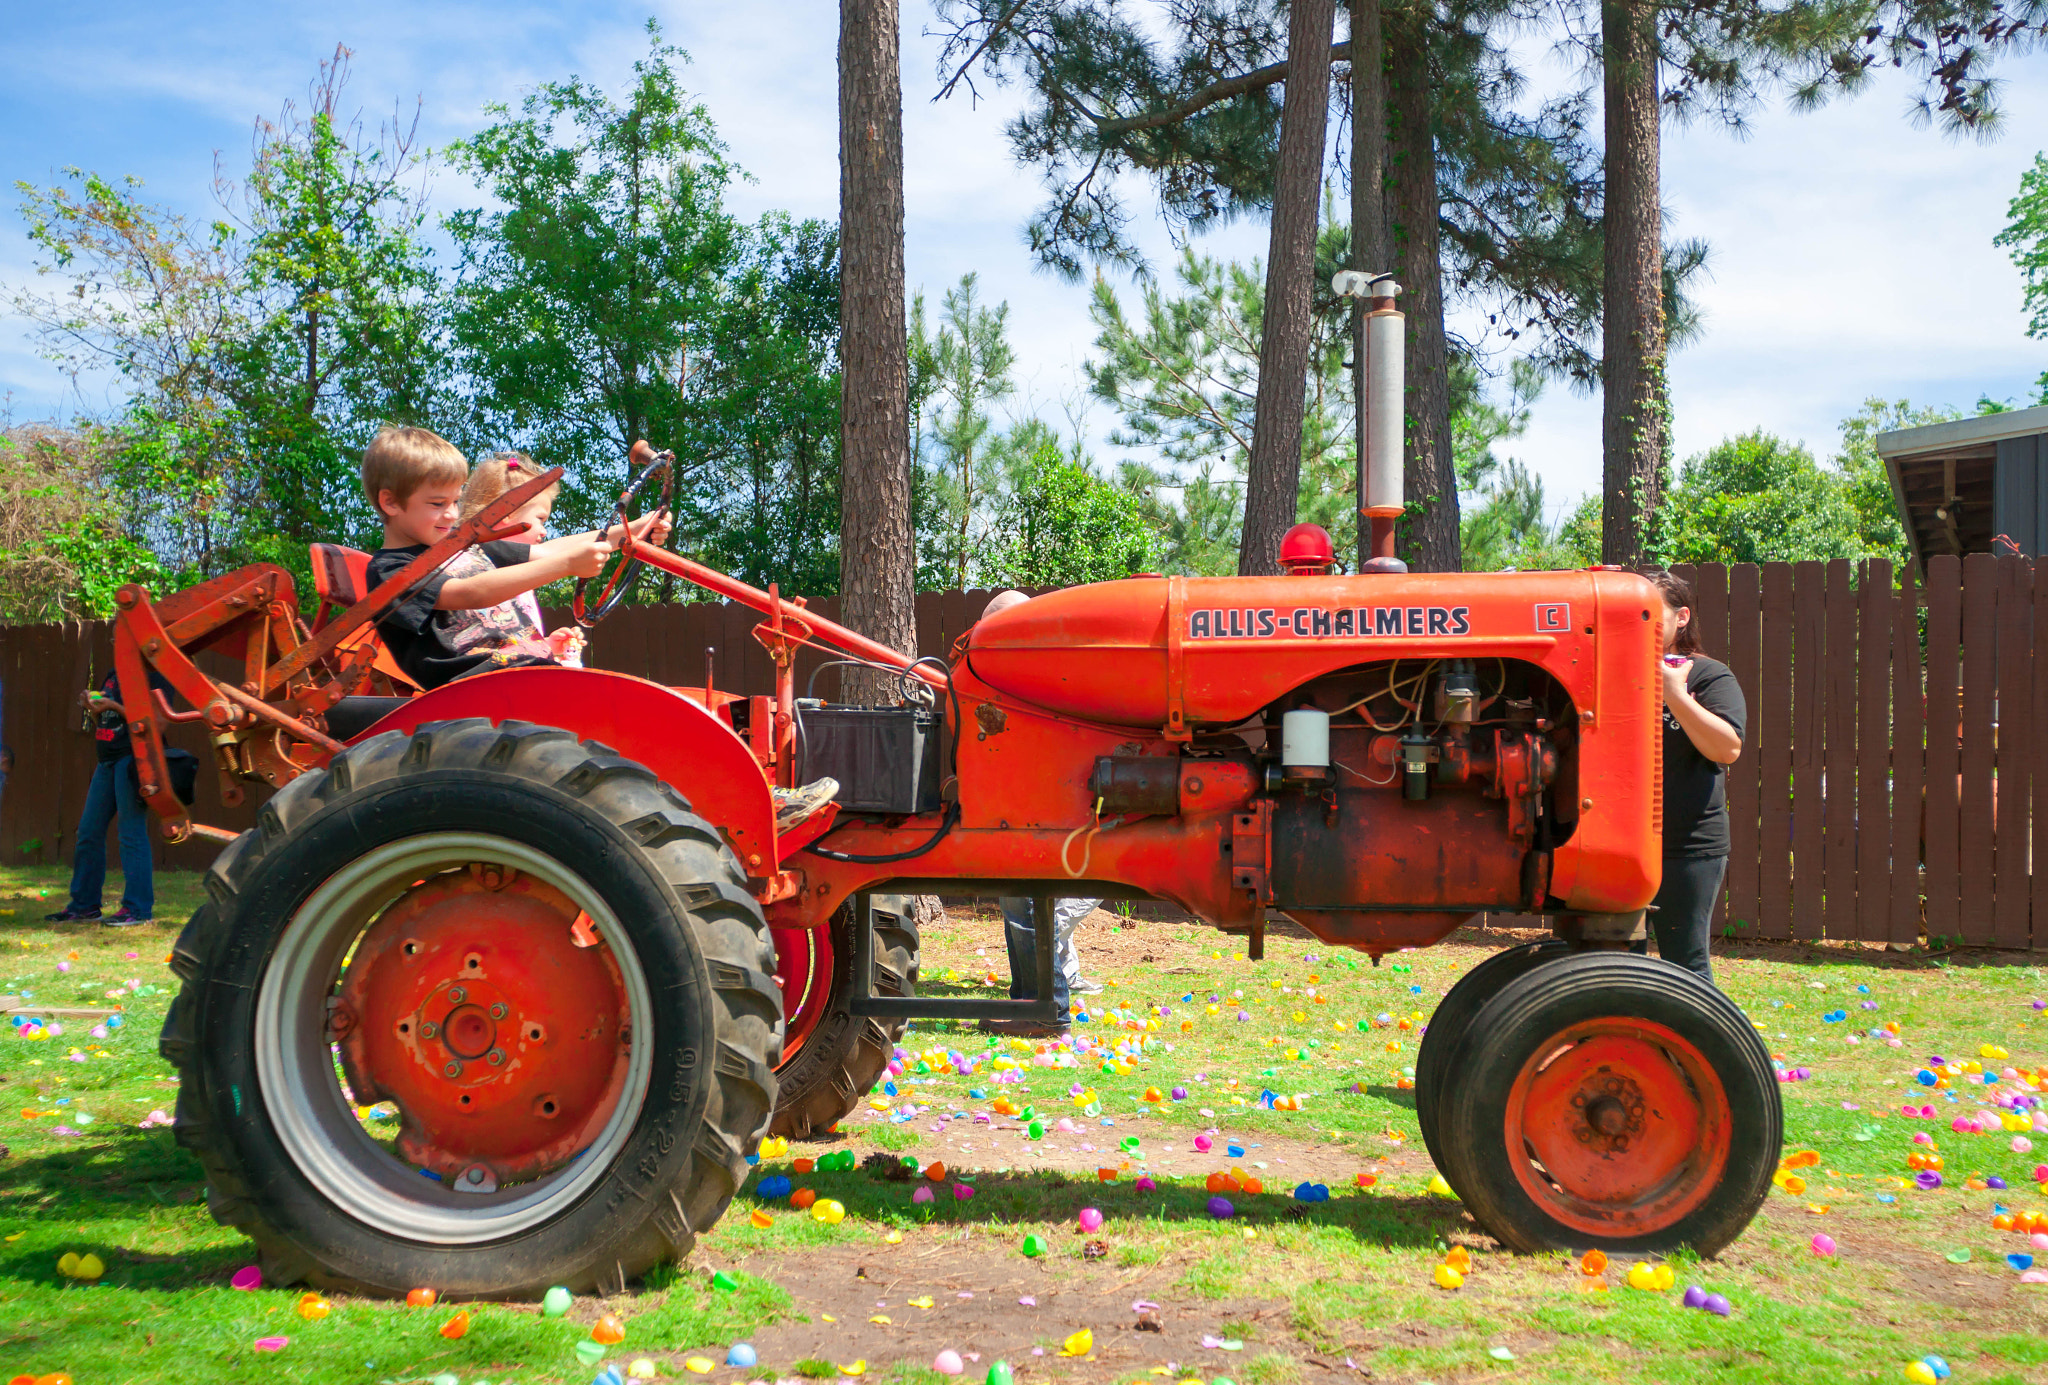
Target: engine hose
pixel 952 817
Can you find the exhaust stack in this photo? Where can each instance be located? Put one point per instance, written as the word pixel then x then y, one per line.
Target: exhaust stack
pixel 1378 343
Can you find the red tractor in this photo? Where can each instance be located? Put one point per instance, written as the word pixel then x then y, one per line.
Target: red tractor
pixel 547 915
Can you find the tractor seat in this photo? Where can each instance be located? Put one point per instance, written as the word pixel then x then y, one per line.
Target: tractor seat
pixel 352 716
pixel 341 578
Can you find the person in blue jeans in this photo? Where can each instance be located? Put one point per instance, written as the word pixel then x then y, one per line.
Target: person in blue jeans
pixel 112 792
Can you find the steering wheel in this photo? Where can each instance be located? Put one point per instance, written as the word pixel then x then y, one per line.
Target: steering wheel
pixel 613 586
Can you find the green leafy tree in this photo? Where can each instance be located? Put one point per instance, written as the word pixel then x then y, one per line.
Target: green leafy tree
pixel 580 295
pixel 1061 525
pixel 762 415
pixel 64 546
pixel 969 363
pixel 2025 238
pixel 1758 499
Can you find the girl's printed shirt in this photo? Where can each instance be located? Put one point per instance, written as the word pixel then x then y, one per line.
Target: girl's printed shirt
pixel 511 631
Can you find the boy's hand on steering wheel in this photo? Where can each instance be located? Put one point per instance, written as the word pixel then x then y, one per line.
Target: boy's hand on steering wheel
pixel 581 555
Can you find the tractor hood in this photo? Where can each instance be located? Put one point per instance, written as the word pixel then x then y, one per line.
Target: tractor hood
pixel 1152 651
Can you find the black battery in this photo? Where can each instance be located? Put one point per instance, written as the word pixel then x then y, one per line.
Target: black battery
pixel 886 759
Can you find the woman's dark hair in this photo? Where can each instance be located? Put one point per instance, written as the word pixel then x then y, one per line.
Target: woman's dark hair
pixel 1678 594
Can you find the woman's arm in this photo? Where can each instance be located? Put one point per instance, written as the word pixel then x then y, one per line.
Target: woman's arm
pixel 1709 734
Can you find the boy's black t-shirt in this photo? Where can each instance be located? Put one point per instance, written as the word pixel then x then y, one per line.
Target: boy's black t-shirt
pixel 1695 788
pixel 417 634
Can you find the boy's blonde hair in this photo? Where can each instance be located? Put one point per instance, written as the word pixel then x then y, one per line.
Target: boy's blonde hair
pixel 493 478
pixel 401 460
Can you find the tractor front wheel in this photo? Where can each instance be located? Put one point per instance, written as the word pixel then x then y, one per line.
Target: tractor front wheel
pixel 1611 1101
pixel 483 1007
pixel 1447 1026
pixel 835 1056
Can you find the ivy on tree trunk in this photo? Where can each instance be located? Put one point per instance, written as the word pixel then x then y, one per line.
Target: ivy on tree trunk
pixel 1633 429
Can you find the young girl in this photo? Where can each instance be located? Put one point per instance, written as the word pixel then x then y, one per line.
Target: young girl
pixel 512 631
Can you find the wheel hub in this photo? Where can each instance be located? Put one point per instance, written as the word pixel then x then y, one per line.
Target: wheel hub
pixel 1613 1109
pixel 473 1004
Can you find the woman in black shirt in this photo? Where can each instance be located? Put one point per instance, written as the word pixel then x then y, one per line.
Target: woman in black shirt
pixel 1703 719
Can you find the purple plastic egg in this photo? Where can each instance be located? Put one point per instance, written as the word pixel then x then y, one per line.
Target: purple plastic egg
pixel 1220 1208
pixel 1995 1182
pixel 1695 1297
pixel 1927 1180
pixel 1180 1093
pixel 1718 1305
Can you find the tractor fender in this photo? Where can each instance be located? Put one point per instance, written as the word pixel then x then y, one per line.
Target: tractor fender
pixel 691 749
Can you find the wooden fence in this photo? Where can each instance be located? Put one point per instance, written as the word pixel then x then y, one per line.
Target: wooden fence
pixel 1892 783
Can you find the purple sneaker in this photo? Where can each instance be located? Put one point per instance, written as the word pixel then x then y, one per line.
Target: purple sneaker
pixel 125 918
pixel 70 915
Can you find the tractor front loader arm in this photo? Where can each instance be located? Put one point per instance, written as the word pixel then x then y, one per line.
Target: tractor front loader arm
pixel 268 726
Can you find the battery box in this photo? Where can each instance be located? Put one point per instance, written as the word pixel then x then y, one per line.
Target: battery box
pixel 886 759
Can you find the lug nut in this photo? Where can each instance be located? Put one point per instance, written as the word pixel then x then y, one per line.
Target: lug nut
pixel 496 1057
pixel 457 995
pixel 428 1029
pixel 454 1069
pixel 499 1011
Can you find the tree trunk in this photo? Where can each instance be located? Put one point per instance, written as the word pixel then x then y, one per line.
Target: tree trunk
pixel 1430 484
pixel 1271 489
pixel 877 551
pixel 1633 422
pixel 1369 251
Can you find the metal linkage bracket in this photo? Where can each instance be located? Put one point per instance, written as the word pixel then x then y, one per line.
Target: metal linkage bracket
pixel 1042 1009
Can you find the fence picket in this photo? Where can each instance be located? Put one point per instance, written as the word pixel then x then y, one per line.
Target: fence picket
pixel 1909 762
pixel 1838 783
pixel 1774 847
pixel 2013 735
pixel 1873 706
pixel 1944 729
pixel 1974 822
pixel 1809 746
pixel 1743 599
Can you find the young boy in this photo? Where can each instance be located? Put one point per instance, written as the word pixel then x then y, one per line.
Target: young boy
pixel 413 479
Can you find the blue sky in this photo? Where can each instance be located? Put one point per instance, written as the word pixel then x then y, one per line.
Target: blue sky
pixel 1852 251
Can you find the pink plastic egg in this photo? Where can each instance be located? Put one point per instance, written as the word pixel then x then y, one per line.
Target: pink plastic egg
pixel 1091 1220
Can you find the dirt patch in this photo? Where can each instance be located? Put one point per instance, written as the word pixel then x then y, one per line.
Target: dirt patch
pixel 989 1307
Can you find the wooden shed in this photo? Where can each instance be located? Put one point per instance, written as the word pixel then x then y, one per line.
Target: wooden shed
pixel 1960 486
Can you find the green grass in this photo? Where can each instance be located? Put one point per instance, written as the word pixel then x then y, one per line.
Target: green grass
pixel 1350 1278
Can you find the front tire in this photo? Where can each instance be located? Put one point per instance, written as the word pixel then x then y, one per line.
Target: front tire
pixel 1614 1102
pixel 1448 1026
pixel 534 951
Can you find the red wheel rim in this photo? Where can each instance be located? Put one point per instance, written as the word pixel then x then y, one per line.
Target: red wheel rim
pixel 803 968
pixel 1618 1127
pixel 483 1005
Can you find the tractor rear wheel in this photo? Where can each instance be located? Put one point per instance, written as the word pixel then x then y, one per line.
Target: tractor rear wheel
pixel 837 1056
pixel 486 1008
pixel 1454 1016
pixel 1615 1102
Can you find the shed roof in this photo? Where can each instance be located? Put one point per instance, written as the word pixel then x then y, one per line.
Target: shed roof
pixel 1944 478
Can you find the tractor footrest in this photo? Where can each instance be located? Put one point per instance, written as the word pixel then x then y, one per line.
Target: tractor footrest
pixel 1043 1008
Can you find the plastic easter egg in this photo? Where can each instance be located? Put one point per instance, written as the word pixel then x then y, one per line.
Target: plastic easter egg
pixel 1180 1093
pixel 415 1298
pixel 922 1195
pixel 1034 1246
pixel 1235 1151
pixel 1937 1365
pixel 1921 1373
pixel 643 1367
pixel 312 1307
pixel 456 1326
pixel 1000 1374
pixel 1823 1244
pixel 1641 1276
pixel 741 1354
pixel 1718 1305
pixel 555 1302
pixel 803 1197
pixel 1695 1296
pixel 1447 1278
pixel 1221 1209
pixel 1036 1130
pixel 947 1362
pixel 828 1210
pixel 962 1191
pixel 777 1186
pixel 1662 1277
pixel 251 1276
pixel 1090 1220
pixel 1204 1144
pixel 726 1280
pixel 608 1330
pixel 1145 1183
pixel 1927 1180
pixel 589 1352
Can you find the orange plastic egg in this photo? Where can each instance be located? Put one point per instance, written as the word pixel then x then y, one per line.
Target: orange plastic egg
pixel 761 1219
pixel 608 1330
pixel 802 1197
pixel 1593 1262
pixel 937 1172
pixel 421 1298
pixel 804 1165
pixel 312 1307
pixel 456 1325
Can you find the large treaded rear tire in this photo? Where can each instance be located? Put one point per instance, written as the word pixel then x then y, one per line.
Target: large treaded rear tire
pixel 683 911
pixel 846 1055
